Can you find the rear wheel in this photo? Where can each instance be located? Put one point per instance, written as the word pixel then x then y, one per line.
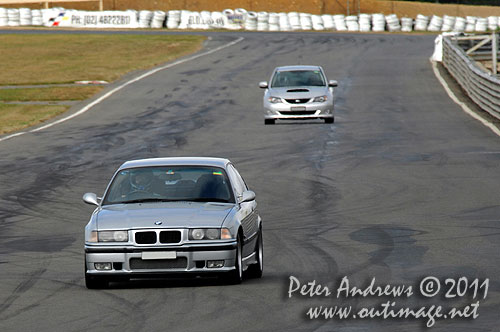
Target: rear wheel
pixel 329 120
pixel 269 121
pixel 255 270
pixel 236 276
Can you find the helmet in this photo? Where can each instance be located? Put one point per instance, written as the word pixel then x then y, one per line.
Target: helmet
pixel 141 179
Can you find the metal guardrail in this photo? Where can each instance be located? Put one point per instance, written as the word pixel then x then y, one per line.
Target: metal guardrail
pixel 481 86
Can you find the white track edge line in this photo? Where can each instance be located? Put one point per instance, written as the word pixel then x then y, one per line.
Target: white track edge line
pixel 103 97
pixel 464 107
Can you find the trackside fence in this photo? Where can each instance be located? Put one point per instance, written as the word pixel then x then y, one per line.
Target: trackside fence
pixel 481 86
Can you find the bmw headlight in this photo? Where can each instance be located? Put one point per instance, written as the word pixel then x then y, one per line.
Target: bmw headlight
pixel 274 100
pixel 320 99
pixel 109 236
pixel 204 234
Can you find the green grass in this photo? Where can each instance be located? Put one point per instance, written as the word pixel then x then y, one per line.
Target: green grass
pixel 16 117
pixel 34 59
pixel 39 59
pixel 49 94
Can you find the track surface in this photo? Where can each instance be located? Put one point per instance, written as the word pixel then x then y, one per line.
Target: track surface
pixel 402 186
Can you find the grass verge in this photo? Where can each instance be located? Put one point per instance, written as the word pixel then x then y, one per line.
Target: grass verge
pixel 49 94
pixel 33 59
pixel 17 117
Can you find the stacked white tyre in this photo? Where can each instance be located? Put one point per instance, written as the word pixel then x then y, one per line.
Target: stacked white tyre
pixel 378 22
pixel 352 23
pixel 13 17
pixel 173 19
pixel 284 22
pixel 435 24
pixel 25 17
pixel 421 22
pixel 471 24
pixel 294 19
pixel 481 24
pixel 448 23
pixel 460 24
pixel 317 23
pixel 393 23
pixel 4 18
pixel 406 24
pixel 274 22
pixel 492 23
pixel 263 21
pixel 158 19
pixel 340 23
pixel 251 21
pixel 145 17
pixel 365 22
pixel 305 21
pixel 36 17
pixel 328 22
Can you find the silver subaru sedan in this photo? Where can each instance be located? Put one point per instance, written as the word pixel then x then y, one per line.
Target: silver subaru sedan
pixel 298 92
pixel 167 216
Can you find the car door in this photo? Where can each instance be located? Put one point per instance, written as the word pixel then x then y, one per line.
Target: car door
pixel 247 213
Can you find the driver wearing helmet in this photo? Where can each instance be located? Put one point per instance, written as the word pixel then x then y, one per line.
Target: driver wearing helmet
pixel 143 180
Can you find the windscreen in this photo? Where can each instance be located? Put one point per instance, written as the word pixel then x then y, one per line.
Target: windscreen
pixel 164 184
pixel 291 78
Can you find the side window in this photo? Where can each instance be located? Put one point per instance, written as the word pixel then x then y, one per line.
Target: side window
pixel 236 179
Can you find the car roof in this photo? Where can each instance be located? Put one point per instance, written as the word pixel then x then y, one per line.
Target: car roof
pixel 176 161
pixel 298 67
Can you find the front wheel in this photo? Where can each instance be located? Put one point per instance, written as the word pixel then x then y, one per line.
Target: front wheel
pixel 269 121
pixel 329 120
pixel 95 282
pixel 236 276
pixel 255 270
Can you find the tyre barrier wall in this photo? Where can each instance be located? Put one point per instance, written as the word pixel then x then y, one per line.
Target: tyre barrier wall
pixel 482 87
pixel 241 19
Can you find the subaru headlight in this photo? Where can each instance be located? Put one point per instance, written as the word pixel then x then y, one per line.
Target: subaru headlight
pixel 274 100
pixel 109 236
pixel 320 99
pixel 204 234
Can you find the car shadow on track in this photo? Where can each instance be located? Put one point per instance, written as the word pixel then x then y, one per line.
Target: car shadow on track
pixel 172 282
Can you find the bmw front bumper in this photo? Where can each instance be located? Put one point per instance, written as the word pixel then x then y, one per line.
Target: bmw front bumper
pixel 140 261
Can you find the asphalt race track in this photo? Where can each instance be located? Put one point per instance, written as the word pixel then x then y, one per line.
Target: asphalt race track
pixel 404 185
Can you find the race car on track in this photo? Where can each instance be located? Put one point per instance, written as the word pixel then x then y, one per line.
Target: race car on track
pixel 165 216
pixel 298 92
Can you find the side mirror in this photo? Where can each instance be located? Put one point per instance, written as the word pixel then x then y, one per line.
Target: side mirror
pixel 263 85
pixel 332 83
pixel 247 196
pixel 90 198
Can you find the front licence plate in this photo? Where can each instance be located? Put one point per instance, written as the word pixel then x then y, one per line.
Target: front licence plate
pixel 293 109
pixel 159 255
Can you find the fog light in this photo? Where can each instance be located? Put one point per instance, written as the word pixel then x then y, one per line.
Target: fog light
pixel 102 266
pixel 215 264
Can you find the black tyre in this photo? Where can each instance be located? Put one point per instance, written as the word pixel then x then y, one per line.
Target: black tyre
pixel 269 121
pixel 236 276
pixel 329 120
pixel 255 270
pixel 95 282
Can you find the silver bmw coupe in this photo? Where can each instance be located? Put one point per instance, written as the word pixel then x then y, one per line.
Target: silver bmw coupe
pixel 168 216
pixel 298 92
